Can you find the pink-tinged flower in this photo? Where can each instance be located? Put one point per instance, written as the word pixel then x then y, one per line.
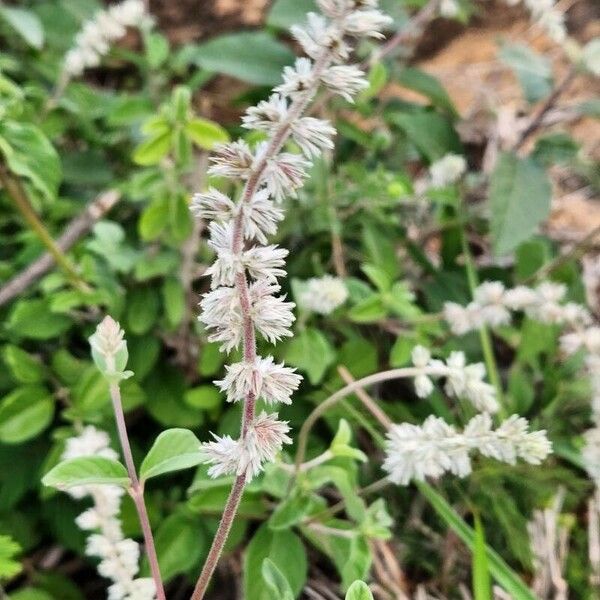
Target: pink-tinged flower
pixel 312 135
pixel 284 174
pixel 271 315
pixel 267 114
pixel 212 205
pixel 260 216
pixel 297 80
pixel 233 160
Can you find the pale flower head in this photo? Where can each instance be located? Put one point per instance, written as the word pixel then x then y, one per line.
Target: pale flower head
pixel 447 170
pixel 323 294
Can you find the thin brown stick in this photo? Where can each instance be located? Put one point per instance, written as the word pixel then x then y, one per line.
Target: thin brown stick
pixel 74 231
pixel 559 90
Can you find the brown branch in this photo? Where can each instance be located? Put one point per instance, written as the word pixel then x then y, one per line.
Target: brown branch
pixel 75 230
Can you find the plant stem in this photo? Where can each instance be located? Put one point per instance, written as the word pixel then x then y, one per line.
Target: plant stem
pixel 229 512
pixel 484 334
pixel 137 490
pixel 352 388
pixel 19 197
pixel 254 180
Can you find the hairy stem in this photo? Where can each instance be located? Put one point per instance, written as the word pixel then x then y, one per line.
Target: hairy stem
pixel 137 491
pixel 19 197
pixel 277 141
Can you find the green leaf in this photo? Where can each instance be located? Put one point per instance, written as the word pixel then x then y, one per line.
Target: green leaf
pixel 142 309
pixel 482 586
pixel 30 593
pixel 206 134
pixel 359 590
pixel 520 195
pixel 369 310
pixel 9 549
pixel 290 512
pixel 205 397
pixel 173 450
pixel 24 367
pixel 312 353
pixel 533 70
pixel 33 319
pixel 429 86
pixel 174 300
pixel 88 470
pixel 157 49
pixel 24 413
pixel 500 571
pixel 29 154
pixel 285 13
pixel 153 150
pixel 254 57
pixel 286 551
pixel 276 582
pixel 180 543
pixel 25 23
pixel 430 132
pixel 154 219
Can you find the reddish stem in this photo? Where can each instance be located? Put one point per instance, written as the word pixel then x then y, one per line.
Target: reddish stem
pixel 137 491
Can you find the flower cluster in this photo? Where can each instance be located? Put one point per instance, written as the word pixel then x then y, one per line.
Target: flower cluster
pixel 323 294
pixel 547 16
pixel 94 40
pixel 447 170
pixel 435 448
pixel 493 304
pixel 109 350
pixel 244 299
pixel 462 380
pixel 119 556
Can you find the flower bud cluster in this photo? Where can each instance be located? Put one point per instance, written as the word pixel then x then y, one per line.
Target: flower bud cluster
pixel 323 294
pixel 435 448
pixel 462 380
pixel 244 299
pixel 109 350
pixel 119 556
pixel 493 305
pixel 547 16
pixel 94 40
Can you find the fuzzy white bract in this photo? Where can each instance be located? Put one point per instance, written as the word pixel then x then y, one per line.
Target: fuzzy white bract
pixel 447 170
pixel 416 452
pixel 462 380
pixel 547 17
pixel 245 297
pixel 119 556
pixel 97 35
pixel 493 306
pixel 323 294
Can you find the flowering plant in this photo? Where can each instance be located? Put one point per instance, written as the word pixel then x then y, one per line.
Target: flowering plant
pixel 335 343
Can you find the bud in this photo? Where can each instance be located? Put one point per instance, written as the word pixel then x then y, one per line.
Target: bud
pixel 109 350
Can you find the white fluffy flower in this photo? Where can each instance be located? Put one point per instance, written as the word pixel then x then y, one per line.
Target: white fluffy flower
pixel 459 318
pixel 267 114
pixel 447 170
pixel 589 339
pixel 264 379
pixel 119 556
pixel 318 35
pixel 97 35
pixel 263 441
pixel 345 80
pixel 312 135
pixel 489 297
pixel 323 294
pixel 260 217
pixel 449 8
pixel 591 454
pixel 435 448
pixel 284 174
pixel 221 311
pixel 366 23
pixel 213 206
pixel 233 160
pixel 297 80
pixel 421 358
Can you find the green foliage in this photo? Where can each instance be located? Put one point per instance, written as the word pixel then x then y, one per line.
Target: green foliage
pixel 9 550
pixel 520 195
pixel 90 470
pixel 359 590
pixel 173 450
